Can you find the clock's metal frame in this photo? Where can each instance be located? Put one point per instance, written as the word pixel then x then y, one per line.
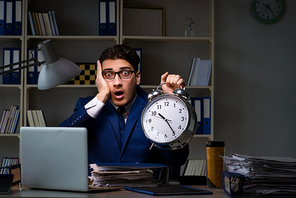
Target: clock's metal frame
pixel 190 129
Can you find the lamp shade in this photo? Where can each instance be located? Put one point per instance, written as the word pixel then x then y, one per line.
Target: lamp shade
pixel 55 70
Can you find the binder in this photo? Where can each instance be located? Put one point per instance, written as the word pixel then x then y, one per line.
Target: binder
pixel 103 31
pixel 112 18
pixel 8 25
pixel 196 102
pixel 30 17
pixel 206 119
pixel 31 71
pixel 2 14
pixel 6 78
pixel 17 30
pixel 16 57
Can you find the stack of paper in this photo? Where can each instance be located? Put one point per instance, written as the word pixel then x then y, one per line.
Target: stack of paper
pixel 122 174
pixel 195 167
pixel 264 175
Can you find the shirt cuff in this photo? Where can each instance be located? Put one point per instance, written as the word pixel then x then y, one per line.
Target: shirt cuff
pixel 94 107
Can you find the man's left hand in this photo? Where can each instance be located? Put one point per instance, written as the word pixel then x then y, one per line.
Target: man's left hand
pixel 172 82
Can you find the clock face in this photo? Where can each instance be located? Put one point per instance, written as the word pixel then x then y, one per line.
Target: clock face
pixel 268 11
pixel 165 118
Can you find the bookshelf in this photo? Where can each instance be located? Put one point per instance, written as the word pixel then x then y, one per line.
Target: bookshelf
pixel 79 42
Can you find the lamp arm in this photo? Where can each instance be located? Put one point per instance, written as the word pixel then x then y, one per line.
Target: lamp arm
pixel 36 62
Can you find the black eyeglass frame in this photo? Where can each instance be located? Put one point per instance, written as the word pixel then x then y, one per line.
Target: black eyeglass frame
pixel 118 73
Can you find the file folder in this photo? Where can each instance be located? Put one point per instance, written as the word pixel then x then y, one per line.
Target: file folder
pixel 17 30
pixel 8 25
pixel 196 102
pixel 169 190
pixel 6 78
pixel 2 14
pixel 206 119
pixel 112 18
pixel 103 30
pixel 31 71
pixel 16 57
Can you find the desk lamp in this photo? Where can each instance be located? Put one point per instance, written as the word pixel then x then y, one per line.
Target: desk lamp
pixel 55 70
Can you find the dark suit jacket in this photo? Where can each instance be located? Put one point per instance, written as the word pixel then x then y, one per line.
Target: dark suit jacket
pixel 104 139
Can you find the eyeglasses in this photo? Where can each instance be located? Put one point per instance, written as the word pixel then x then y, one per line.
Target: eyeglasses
pixel 123 74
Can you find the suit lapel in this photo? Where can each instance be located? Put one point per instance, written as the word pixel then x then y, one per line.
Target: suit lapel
pixel 113 118
pixel 132 119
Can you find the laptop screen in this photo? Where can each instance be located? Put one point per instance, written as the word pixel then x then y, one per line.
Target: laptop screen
pixel 54 158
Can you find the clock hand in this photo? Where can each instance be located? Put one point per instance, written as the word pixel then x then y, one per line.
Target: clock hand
pixel 268 7
pixel 166 120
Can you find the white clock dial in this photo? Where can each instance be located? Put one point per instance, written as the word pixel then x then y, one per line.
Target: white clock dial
pixel 165 119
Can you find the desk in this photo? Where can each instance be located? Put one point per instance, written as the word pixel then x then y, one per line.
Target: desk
pixel 26 192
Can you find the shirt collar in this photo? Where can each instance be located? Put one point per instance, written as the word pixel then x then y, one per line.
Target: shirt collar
pixel 127 107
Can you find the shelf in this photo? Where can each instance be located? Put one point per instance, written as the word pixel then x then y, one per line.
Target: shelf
pixel 203 136
pixel 10 86
pixel 142 86
pixel 11 37
pixel 168 38
pixel 10 135
pixel 74 37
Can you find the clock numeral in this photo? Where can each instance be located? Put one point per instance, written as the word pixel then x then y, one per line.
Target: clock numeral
pixel 158 133
pixel 180 110
pixel 152 129
pixel 158 106
pixel 166 104
pixel 180 127
pixel 182 118
pixel 149 120
pixel 153 113
pixel 165 135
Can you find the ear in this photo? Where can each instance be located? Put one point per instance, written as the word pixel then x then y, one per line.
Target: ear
pixel 138 77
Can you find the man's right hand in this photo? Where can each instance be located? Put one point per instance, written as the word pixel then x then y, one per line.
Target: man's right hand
pixel 102 85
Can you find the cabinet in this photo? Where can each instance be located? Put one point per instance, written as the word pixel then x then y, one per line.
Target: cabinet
pixel 79 41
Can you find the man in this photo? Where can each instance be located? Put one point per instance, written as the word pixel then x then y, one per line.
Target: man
pixel 118 82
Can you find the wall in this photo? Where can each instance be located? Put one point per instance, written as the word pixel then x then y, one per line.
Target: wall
pixel 255 87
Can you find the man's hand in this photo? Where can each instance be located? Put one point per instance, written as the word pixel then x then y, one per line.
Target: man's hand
pixel 102 85
pixel 172 82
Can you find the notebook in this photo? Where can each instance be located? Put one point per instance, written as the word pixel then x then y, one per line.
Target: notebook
pixel 55 158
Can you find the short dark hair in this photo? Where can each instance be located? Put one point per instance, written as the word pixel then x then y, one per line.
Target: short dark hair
pixel 121 52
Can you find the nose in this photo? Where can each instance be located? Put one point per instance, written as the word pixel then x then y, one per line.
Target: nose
pixel 117 80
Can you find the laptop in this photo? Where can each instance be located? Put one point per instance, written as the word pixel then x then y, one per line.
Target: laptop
pixel 55 158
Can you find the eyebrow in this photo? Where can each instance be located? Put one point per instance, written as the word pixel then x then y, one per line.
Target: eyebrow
pixel 121 68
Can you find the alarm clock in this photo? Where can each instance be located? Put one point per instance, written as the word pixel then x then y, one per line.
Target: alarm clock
pixel 168 120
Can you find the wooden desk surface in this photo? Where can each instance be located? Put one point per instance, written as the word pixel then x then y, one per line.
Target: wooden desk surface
pixel 26 192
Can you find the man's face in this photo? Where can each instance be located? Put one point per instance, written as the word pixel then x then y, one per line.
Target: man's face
pixel 122 91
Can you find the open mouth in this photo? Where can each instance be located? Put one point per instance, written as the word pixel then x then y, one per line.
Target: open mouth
pixel 118 94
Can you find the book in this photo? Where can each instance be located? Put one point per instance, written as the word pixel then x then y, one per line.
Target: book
pixel 9 119
pixel 36 118
pixel 43 24
pixel 200 72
